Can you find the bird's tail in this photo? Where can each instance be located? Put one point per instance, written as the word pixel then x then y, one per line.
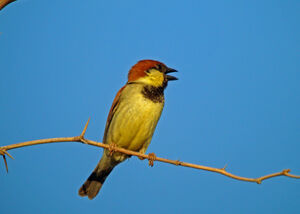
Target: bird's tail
pixel 93 184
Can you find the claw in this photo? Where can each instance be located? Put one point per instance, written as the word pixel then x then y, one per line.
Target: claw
pixel 141 158
pixel 112 148
pixel 151 158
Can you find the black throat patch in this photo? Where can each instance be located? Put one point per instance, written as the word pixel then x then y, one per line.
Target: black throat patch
pixel 156 94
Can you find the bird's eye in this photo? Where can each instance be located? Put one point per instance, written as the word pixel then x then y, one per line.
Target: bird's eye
pixel 158 67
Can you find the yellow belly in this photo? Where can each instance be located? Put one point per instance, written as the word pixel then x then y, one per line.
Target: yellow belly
pixel 134 122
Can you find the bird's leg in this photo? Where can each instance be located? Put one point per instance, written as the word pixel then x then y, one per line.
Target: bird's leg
pixel 151 158
pixel 112 148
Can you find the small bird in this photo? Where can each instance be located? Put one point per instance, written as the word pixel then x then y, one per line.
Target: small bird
pixel 132 118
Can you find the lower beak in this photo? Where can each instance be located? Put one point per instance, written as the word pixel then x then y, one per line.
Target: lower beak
pixel 169 77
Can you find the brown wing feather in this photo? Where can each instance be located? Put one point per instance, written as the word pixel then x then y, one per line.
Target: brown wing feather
pixel 112 110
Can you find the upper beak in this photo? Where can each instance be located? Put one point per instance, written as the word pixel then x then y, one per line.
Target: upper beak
pixel 169 77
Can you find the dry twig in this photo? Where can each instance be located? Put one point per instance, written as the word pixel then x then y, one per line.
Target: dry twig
pixel 151 157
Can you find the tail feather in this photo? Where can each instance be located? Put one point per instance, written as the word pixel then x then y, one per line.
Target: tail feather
pixel 93 184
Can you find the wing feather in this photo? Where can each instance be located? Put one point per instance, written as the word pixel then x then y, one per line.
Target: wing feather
pixel 112 111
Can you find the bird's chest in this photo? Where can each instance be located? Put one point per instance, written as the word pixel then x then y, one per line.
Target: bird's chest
pixel 134 121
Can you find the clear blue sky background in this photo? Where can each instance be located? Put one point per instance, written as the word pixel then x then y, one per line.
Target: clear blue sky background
pixel 236 102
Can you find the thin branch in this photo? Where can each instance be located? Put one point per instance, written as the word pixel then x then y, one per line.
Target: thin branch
pixel 4 3
pixel 151 157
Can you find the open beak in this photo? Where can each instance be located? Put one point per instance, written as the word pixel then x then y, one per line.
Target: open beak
pixel 169 77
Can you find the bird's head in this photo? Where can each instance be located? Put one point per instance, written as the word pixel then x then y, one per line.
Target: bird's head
pixel 151 72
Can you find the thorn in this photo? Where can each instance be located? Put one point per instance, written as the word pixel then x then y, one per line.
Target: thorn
pixel 286 171
pixel 151 158
pixel 224 168
pixel 178 163
pixel 3 152
pixel 85 127
pixel 8 154
pixel 4 158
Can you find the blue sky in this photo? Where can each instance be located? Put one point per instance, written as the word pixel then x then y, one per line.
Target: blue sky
pixel 236 102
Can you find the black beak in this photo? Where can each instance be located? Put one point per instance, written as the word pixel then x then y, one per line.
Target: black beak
pixel 169 77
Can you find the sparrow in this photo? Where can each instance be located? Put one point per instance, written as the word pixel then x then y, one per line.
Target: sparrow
pixel 132 118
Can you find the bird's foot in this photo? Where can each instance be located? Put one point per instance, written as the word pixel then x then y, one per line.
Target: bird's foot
pixel 112 148
pixel 151 158
pixel 141 158
pixel 143 152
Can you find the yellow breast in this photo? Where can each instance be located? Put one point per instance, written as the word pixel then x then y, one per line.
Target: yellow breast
pixel 135 119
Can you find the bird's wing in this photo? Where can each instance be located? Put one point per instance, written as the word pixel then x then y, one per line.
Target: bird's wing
pixel 112 111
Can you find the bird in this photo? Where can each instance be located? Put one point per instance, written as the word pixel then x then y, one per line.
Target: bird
pixel 132 118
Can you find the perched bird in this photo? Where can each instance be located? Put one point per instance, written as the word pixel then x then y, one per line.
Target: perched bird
pixel 132 118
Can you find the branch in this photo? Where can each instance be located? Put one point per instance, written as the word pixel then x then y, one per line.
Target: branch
pixel 151 157
pixel 3 3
